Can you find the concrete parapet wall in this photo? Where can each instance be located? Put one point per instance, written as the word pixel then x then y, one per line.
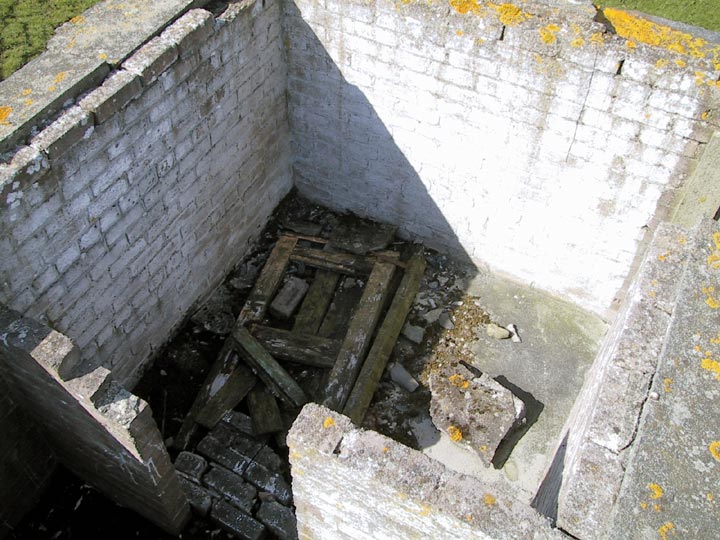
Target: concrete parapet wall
pixel 355 484
pixel 141 196
pixel 96 428
pixel 529 137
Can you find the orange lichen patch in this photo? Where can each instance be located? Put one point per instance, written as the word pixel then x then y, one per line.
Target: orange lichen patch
pixel 666 529
pixel 664 256
pixel 103 56
pixel 455 434
pixel 78 20
pixel 425 511
pixel 715 450
pixel 630 44
pixel 5 112
pixel 489 499
pixel 459 381
pixel 711 300
pixel 27 92
pixel 577 42
pixel 716 340
pixel 644 505
pixel 329 422
pixel 657 507
pixel 656 491
pixel 710 497
pixel 459 33
pixel 714 258
pixel 28 102
pixel 680 63
pixel 60 77
pixel 667 385
pixel 548 33
pixel 705 115
pixel 661 63
pixel 509 14
pixel 466 6
pixel 598 38
pixel 641 30
pixel 711 365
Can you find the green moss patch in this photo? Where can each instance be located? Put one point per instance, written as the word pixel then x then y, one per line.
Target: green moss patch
pixel 27 25
pixel 703 13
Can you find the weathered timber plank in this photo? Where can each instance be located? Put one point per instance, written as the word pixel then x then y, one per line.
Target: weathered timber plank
pixel 296 347
pixel 268 282
pixel 317 300
pixel 338 315
pixel 357 340
pixel 343 263
pixel 264 411
pixel 227 383
pixel 376 361
pixel 267 368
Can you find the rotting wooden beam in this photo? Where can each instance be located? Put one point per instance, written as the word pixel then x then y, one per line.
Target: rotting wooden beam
pixel 357 340
pixel 317 300
pixel 305 349
pixel 268 282
pixel 343 263
pixel 227 383
pixel 264 411
pixel 377 359
pixel 267 368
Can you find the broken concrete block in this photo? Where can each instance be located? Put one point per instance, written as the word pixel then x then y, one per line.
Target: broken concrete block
pixel 265 480
pixel 514 335
pixel 279 519
pixel 233 439
pixel 413 333
pixel 199 498
pixel 231 487
pixel 288 299
pixel 497 332
pixel 475 413
pixel 445 321
pixel 433 315
pixel 236 522
pixel 401 376
pixel 191 464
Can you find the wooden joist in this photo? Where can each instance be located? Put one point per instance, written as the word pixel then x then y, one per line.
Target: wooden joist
pixel 357 340
pixel 268 282
pixel 376 361
pixel 267 368
pixel 305 349
pixel 343 263
pixel 264 411
pixel 317 300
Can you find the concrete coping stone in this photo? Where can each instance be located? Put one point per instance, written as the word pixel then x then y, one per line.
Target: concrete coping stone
pixel 80 54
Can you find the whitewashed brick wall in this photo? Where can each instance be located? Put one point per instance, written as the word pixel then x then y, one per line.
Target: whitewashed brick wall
pixel 135 203
pixel 536 158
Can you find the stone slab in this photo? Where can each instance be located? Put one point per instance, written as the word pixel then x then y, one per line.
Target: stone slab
pixel 191 464
pixel 288 298
pixel 670 488
pixel 475 412
pixel 199 498
pixel 268 481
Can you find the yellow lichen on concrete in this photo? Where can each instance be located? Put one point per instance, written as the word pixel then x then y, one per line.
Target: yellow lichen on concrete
pixel 711 365
pixel 455 434
pixel 489 499
pixel 714 258
pixel 667 385
pixel 548 33
pixel 666 529
pixel 459 381
pixel 5 112
pixel 711 301
pixel 329 422
pixel 509 14
pixel 641 30
pixel 715 450
pixel 656 491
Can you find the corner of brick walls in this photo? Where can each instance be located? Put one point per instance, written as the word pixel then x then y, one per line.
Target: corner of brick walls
pixel 540 145
pixel 139 198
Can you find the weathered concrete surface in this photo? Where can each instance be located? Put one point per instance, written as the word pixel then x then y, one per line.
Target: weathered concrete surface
pixel 604 420
pixel 475 412
pixel 671 487
pixel 101 432
pixel 78 56
pixel 354 484
pixel 700 196
pixel 559 343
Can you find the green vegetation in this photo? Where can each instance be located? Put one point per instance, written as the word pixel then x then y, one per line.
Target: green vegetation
pixel 26 26
pixel 703 13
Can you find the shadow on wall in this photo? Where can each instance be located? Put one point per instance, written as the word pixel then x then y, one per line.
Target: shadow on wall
pixel 347 149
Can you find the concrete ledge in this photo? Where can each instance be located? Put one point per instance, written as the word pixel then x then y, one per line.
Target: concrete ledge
pixel 350 483
pixel 78 57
